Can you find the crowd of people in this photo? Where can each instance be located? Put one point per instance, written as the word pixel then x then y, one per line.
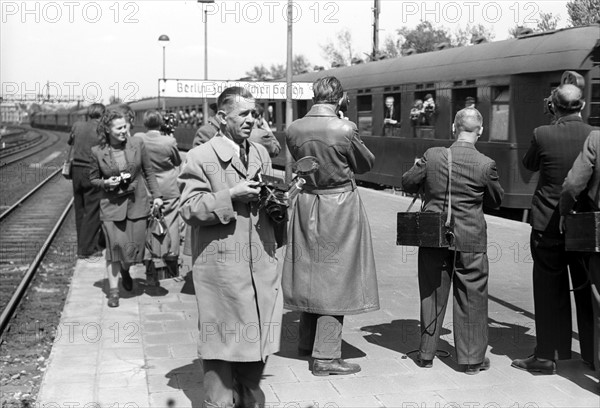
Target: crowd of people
pixel 234 240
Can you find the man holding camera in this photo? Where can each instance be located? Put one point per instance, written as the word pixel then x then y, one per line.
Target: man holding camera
pixel 464 265
pixel 552 152
pixel 233 253
pixel 329 267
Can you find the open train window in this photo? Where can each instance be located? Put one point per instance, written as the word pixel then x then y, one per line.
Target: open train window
pixel 462 98
pixel 594 118
pixel 365 114
pixel 391 114
pixel 423 114
pixel 302 108
pixel 500 114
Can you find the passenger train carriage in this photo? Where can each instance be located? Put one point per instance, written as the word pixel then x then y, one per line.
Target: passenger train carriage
pixel 508 79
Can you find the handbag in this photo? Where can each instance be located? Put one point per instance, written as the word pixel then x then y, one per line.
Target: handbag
pixel 430 229
pixel 158 239
pixel 582 232
pixel 67 167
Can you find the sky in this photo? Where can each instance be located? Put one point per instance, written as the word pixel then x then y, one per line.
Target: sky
pixel 95 49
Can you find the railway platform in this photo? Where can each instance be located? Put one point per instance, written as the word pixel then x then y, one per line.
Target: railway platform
pixel 144 354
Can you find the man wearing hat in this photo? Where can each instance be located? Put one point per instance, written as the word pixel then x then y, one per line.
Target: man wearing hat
pixel 553 150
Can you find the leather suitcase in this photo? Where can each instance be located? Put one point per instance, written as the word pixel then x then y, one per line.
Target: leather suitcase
pixel 423 229
pixel 582 232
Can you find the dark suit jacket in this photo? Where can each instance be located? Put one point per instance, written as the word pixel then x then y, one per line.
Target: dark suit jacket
pixel 206 132
pixel 474 185
pixel 83 137
pixel 133 202
pixel 552 152
pixel 585 174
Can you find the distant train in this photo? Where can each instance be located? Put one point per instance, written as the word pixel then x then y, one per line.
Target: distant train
pixel 508 80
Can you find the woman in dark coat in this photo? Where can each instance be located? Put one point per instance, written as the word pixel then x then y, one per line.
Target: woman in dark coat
pixel 329 267
pixel 119 166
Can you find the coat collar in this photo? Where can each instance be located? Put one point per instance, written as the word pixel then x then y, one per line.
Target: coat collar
pixel 461 143
pixel 226 154
pixel 570 118
pixel 322 109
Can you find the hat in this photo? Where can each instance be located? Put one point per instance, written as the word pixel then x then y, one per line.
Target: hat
pixel 568 98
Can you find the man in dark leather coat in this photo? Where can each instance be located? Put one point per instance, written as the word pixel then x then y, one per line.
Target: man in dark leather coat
pixel 329 267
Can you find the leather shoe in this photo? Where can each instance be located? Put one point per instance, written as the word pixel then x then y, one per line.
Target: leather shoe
pixel 113 298
pixel 334 366
pixel 423 363
pixel 473 369
pixel 535 365
pixel 126 280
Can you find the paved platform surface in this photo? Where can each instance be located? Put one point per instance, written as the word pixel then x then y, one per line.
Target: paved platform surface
pixel 144 354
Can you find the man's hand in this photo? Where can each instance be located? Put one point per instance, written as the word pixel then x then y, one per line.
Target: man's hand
pixel 246 191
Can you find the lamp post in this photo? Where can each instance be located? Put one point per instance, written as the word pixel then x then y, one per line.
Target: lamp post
pixel 205 102
pixel 164 39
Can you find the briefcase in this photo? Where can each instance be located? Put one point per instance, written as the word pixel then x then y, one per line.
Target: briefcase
pixel 424 229
pixel 427 229
pixel 582 232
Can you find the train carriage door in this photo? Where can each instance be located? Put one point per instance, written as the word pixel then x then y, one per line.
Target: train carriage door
pixel 364 110
pixel 392 118
pixel 301 108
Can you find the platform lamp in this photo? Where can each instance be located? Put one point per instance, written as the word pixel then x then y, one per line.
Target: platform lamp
pixel 164 39
pixel 205 102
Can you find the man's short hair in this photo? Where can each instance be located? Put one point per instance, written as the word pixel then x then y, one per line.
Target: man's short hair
pixel 470 100
pixel 567 98
pixel 153 120
pixel 230 94
pixel 468 120
pixel 327 90
pixel 95 110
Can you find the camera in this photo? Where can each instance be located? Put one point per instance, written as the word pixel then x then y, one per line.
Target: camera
pixel 275 198
pixel 125 180
pixel 548 107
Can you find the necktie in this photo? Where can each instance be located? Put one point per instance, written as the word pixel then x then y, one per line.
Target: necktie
pixel 243 155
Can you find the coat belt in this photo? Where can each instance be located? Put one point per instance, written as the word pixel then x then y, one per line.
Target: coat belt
pixel 349 186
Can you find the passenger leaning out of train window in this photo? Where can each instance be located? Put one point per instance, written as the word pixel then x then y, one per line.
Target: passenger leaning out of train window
pixel 417 114
pixel 119 166
pixel 429 110
pixel 261 133
pixel 391 117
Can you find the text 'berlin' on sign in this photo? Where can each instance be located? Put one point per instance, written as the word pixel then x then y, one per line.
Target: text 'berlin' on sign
pixel 189 88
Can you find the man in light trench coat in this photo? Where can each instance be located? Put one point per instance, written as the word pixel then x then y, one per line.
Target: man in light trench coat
pixel 329 267
pixel 233 252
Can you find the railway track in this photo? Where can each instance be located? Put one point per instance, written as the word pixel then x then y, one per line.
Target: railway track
pixel 28 229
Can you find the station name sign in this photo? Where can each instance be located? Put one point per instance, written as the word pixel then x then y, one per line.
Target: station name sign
pixel 183 88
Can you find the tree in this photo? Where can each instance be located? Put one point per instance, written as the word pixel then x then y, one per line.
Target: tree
pixel 300 64
pixel 424 37
pixel 518 30
pixel 547 22
pixel 583 12
pixel 391 47
pixel 471 33
pixel 113 100
pixel 340 53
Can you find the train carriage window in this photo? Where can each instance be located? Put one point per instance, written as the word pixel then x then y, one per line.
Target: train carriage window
pixel 462 98
pixel 365 114
pixel 271 116
pixel 499 120
pixel 302 108
pixel 423 114
pixel 594 118
pixel 391 114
